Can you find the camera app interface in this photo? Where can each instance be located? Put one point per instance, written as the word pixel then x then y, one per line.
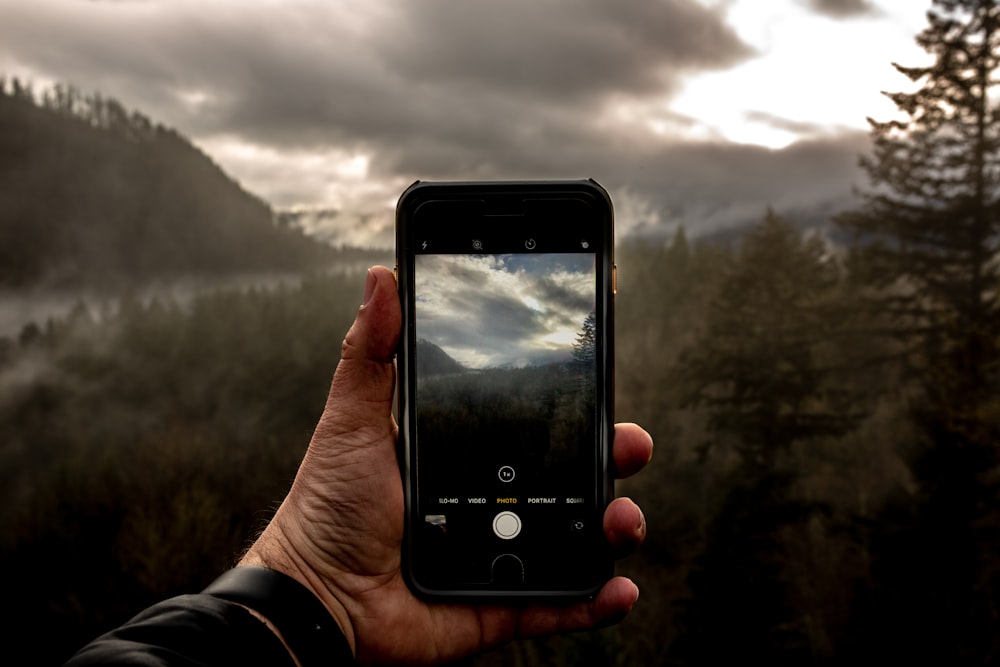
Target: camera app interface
pixel 506 391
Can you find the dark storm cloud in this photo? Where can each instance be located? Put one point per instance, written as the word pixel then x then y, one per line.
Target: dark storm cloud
pixel 560 50
pixel 842 8
pixel 440 86
pixel 485 75
pixel 463 304
pixel 569 300
pixel 506 317
pixel 658 186
pixel 492 322
pixel 329 72
pixel 707 187
pixel 525 309
pixel 433 89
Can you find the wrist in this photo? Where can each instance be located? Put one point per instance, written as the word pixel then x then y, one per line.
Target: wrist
pixel 289 565
pixel 290 610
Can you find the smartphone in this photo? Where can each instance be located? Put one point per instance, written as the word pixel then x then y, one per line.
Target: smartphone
pixel 505 387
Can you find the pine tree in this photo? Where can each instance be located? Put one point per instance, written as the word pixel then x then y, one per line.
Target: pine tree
pixel 766 374
pixel 759 370
pixel 585 347
pixel 928 237
pixel 929 230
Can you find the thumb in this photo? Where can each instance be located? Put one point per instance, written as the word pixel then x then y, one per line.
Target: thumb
pixel 362 390
pixel 376 328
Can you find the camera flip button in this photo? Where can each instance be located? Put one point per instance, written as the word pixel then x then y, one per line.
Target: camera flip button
pixel 507 525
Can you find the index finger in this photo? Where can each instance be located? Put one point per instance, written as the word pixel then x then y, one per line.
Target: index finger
pixel 633 449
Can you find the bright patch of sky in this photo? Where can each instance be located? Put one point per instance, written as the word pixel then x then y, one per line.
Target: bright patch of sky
pixel 814 74
pixel 504 310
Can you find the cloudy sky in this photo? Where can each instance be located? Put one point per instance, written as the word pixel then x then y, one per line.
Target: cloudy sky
pixel 525 309
pixel 693 112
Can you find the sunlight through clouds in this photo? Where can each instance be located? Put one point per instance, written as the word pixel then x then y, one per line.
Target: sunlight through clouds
pixel 504 310
pixel 824 75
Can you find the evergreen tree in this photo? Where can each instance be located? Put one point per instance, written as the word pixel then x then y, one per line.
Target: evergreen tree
pixel 929 230
pixel 928 237
pixel 759 371
pixel 585 347
pixel 766 377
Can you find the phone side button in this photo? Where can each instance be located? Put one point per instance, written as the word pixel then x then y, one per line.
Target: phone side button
pixel 507 569
pixel 507 525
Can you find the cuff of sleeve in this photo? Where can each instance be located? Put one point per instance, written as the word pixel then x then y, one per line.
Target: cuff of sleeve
pixel 310 631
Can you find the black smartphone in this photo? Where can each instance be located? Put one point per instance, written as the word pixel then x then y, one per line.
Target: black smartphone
pixel 505 399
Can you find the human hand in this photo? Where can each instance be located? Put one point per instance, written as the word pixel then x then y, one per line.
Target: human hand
pixel 339 530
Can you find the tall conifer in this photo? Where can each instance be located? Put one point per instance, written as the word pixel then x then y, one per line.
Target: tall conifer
pixel 930 225
pixel 928 237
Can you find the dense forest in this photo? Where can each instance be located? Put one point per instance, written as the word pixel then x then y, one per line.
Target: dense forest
pixel 826 485
pixel 504 409
pixel 94 194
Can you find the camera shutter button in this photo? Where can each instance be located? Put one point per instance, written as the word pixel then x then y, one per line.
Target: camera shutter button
pixel 507 525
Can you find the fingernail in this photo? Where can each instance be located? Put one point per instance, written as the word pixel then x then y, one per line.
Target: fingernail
pixel 370 284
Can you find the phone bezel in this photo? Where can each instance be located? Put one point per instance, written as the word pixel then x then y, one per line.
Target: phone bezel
pixel 506 200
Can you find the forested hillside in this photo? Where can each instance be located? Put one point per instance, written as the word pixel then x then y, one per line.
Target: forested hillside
pixel 142 449
pixel 139 451
pixel 92 193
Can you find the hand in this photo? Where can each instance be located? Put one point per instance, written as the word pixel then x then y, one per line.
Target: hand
pixel 340 529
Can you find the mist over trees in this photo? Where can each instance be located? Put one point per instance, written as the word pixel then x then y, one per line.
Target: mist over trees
pixel 94 194
pixel 827 421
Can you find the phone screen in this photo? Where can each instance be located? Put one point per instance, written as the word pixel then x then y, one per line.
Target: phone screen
pixel 508 400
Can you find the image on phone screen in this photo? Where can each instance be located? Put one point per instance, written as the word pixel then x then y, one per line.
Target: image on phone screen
pixel 505 401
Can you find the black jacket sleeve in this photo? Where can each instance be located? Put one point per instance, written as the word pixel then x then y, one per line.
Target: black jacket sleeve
pixel 185 631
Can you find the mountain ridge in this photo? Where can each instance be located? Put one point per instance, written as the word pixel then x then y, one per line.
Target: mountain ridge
pixel 91 193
